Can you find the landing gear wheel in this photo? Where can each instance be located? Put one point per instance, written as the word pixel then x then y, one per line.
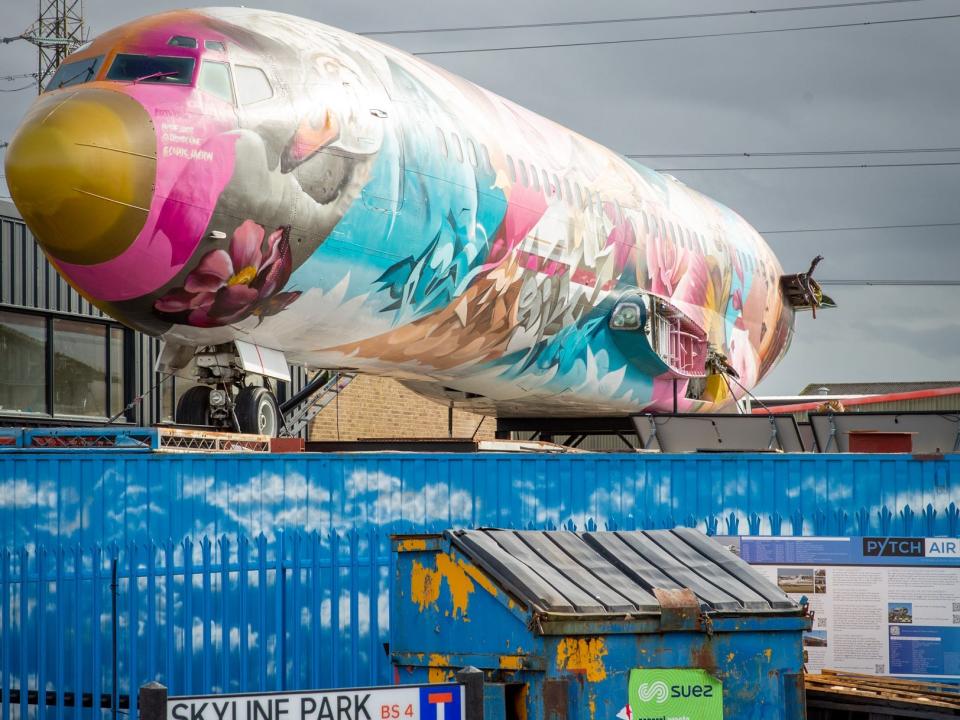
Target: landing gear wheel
pixel 193 407
pixel 258 412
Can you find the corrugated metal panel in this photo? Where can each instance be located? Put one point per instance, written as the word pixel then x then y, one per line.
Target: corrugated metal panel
pixel 102 497
pixel 616 573
pixel 260 572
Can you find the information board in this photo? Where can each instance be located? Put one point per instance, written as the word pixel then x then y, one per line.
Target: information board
pixel 883 605
pixel 401 702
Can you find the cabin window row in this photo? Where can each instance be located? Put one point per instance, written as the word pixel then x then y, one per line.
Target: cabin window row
pixel 465 150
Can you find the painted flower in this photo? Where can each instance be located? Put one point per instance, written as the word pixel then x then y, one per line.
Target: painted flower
pixel 229 285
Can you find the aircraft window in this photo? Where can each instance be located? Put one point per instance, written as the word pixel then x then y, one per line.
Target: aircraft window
pixel 214 45
pixel 472 152
pixel 152 69
pixel 523 172
pixel 557 190
pixel 511 169
pixel 576 187
pixel 215 79
pixel 566 188
pixel 442 142
pixel 534 178
pixel 458 147
pixel 486 157
pixel 182 41
pixel 252 84
pixel 75 73
pixel 548 188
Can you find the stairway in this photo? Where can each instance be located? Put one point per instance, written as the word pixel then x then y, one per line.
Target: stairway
pixel 307 404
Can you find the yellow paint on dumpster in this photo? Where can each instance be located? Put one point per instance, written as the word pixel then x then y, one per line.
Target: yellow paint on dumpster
pixel 577 654
pixel 411 545
pixel 425 584
pixel 511 662
pixel 439 670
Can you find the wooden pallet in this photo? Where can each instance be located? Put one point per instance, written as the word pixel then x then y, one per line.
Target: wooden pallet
pixel 834 693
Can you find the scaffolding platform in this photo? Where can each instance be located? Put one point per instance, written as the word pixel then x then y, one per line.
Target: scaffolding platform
pixel 155 439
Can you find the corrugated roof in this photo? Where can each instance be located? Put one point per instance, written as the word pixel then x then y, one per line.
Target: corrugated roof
pixel 876 388
pixel 615 573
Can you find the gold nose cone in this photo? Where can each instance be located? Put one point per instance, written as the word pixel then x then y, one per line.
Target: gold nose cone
pixel 81 169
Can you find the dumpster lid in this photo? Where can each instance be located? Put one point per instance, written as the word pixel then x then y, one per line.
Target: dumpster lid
pixel 617 573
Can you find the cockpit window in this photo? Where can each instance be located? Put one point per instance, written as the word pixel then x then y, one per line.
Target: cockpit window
pixel 182 41
pixel 252 84
pixel 74 73
pixel 153 69
pixel 215 78
pixel 214 45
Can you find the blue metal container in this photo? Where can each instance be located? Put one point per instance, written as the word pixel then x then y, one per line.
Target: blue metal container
pixel 598 625
pixel 106 496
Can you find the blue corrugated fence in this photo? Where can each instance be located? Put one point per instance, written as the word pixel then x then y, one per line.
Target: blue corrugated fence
pixel 254 572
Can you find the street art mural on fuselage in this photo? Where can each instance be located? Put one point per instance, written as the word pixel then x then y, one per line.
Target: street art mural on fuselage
pixel 267 178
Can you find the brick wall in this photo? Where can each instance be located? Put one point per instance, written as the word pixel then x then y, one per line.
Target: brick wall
pixel 375 407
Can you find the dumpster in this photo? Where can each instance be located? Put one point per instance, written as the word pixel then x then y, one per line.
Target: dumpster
pixel 597 625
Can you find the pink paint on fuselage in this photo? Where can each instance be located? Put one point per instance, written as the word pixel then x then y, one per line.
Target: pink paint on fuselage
pixel 192 171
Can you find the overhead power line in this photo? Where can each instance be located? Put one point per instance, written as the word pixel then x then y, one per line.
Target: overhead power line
pixel 799 153
pixel 25 87
pixel 859 227
pixel 858 166
pixel 11 78
pixel 649 18
pixel 865 23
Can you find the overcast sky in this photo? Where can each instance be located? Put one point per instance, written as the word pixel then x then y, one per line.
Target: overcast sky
pixel 884 86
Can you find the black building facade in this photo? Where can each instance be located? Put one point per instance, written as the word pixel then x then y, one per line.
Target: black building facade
pixel 62 361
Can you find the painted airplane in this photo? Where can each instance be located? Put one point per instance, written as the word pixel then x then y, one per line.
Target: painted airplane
pixel 258 189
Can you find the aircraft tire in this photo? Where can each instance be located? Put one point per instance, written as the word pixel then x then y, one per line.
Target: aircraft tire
pixel 193 407
pixel 258 412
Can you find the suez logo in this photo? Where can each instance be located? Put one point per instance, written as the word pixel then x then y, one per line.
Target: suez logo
pixel 910 547
pixel 659 692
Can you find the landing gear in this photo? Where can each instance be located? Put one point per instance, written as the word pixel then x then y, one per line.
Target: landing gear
pixel 193 408
pixel 253 409
pixel 257 411
pixel 234 390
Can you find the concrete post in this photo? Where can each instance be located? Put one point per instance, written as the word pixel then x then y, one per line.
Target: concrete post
pixel 152 702
pixel 472 680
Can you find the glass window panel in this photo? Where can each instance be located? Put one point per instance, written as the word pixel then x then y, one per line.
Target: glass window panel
pixel 75 73
pixel 458 147
pixel 117 400
pixel 214 45
pixel 486 158
pixel 79 368
pixel 152 69
pixel 567 192
pixel 215 79
pixel 523 172
pixel 534 178
pixel 182 41
pixel 472 152
pixel 547 187
pixel 252 84
pixel 511 170
pixel 23 366
pixel 442 141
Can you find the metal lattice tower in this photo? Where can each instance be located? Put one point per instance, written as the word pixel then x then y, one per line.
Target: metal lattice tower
pixel 59 30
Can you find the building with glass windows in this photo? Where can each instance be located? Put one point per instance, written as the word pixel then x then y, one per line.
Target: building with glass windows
pixel 62 361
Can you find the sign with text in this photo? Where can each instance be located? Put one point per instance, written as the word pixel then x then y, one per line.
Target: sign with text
pixel 402 702
pixel 884 605
pixel 675 694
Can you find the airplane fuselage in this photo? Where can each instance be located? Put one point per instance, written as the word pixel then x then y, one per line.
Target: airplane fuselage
pixel 229 174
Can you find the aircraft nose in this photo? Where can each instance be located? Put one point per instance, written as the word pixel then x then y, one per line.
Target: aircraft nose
pixel 81 169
